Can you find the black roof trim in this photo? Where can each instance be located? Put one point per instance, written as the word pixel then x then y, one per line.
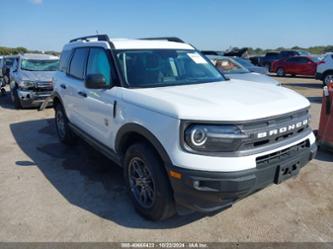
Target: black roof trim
pixel 103 37
pixel 172 39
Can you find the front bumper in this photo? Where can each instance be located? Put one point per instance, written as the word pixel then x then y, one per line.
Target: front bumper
pixel 32 98
pixel 206 192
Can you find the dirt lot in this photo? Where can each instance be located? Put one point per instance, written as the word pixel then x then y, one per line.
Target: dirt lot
pixel 49 192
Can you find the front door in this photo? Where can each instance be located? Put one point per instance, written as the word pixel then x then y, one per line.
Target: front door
pixel 99 103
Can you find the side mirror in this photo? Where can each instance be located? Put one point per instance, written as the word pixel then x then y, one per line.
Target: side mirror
pixel 95 81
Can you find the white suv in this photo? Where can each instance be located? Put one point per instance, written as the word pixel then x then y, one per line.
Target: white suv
pixel 187 138
pixel 325 69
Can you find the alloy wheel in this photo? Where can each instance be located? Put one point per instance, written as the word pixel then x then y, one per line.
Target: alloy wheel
pixel 328 79
pixel 141 182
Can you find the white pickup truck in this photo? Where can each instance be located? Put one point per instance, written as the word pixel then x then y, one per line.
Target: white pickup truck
pixel 187 138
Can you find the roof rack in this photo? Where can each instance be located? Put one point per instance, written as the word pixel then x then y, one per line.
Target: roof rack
pixel 172 39
pixel 103 37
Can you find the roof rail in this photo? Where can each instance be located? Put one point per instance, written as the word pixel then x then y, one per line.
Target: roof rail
pixel 103 37
pixel 172 39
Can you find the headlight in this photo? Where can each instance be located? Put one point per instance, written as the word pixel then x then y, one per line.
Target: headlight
pixel 212 138
pixel 26 84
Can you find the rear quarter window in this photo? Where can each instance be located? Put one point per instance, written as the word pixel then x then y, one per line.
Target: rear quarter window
pixel 64 60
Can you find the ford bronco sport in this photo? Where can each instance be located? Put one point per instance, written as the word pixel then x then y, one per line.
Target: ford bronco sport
pixel 187 138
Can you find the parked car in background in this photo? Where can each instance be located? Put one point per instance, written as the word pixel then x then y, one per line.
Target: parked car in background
pixel 234 70
pixel 31 79
pixel 297 65
pixel 250 66
pixel 325 69
pixel 291 53
pixel 271 57
pixel 8 62
pixel 266 61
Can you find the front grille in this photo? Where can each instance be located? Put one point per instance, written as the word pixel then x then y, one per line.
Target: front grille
pixel 282 155
pixel 43 86
pixel 253 129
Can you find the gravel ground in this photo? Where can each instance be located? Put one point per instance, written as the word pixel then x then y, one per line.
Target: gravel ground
pixel 49 192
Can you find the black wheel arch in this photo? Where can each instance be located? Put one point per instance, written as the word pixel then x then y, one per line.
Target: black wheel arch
pixel 130 133
pixel 329 71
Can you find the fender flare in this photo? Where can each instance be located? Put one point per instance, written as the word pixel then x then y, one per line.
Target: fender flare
pixel 142 131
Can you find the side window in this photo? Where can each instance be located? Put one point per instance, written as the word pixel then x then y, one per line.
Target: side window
pixel 76 69
pixel 64 58
pixel 303 60
pixel 292 60
pixel 98 63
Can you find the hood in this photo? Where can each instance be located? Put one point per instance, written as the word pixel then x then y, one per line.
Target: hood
pixel 256 69
pixel 255 77
pixel 35 75
pixel 233 100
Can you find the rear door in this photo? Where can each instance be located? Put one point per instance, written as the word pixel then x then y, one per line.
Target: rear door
pixel 307 66
pixel 291 65
pixel 75 86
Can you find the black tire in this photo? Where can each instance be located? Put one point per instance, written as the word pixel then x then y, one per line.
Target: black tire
pixel 15 98
pixel 6 80
pixel 327 78
pixel 65 134
pixel 268 66
pixel 280 72
pixel 155 181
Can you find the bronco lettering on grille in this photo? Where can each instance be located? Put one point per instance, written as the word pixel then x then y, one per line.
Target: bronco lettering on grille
pixel 283 129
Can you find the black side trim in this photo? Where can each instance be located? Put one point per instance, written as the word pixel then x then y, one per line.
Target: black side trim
pixel 131 127
pixel 96 144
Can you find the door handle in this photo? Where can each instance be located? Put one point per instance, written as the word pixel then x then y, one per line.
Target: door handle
pixel 63 86
pixel 83 94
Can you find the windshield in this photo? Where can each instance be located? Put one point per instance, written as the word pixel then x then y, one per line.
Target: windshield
pixel 316 59
pixel 165 67
pixel 39 65
pixel 228 65
pixel 246 63
pixel 303 52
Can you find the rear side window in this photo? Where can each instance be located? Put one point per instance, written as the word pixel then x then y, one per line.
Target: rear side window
pixel 64 59
pixel 303 60
pixel 98 63
pixel 293 60
pixel 79 60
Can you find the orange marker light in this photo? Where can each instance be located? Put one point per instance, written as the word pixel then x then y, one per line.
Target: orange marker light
pixel 175 174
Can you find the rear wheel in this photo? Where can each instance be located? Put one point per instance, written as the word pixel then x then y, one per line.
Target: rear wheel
pixel 148 182
pixel 64 132
pixel 328 78
pixel 280 72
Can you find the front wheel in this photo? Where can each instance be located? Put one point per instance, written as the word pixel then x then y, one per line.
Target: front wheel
pixel 280 72
pixel 15 98
pixel 148 183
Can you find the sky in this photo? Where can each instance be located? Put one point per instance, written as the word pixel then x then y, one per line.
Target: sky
pixel 207 24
